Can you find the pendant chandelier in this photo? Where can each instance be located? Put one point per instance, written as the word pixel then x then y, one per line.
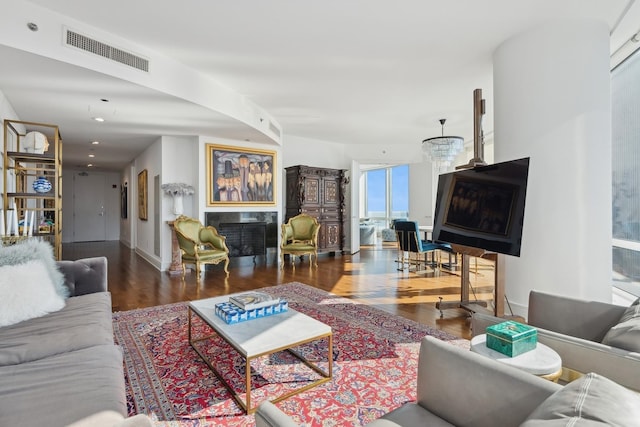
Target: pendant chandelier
pixel 442 149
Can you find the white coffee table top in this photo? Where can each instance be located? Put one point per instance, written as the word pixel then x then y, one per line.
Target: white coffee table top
pixel 541 361
pixel 264 335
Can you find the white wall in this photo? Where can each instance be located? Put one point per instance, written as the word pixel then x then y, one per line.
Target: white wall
pixel 311 152
pixel 151 160
pixel 420 193
pixel 178 153
pixel 552 96
pixel 391 153
pixel 353 225
pixel 6 112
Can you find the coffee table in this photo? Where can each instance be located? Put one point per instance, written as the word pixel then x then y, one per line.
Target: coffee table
pixel 260 337
pixel 542 361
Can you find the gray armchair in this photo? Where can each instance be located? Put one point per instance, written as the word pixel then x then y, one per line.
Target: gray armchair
pixel 367 234
pixel 575 328
pixel 457 387
pixel 454 387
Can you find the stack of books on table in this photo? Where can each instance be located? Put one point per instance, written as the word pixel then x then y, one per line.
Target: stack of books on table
pixel 250 305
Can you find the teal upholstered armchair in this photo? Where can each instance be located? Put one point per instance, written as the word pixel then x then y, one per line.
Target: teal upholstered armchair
pixel 300 237
pixel 200 245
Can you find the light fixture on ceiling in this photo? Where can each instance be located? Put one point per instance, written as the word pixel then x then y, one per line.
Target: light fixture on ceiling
pixel 98 119
pixel 92 155
pixel 442 149
pixel 95 142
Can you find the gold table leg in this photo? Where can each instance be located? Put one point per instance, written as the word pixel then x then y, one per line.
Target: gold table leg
pixel 246 403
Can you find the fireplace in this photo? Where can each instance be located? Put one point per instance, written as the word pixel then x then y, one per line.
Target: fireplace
pixel 247 233
pixel 244 238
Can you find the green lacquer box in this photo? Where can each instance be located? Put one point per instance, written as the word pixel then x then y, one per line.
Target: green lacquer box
pixel 511 338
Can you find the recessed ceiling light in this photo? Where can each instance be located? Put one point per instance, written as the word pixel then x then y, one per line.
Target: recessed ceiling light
pixel 98 119
pixel 92 155
pixel 32 26
pixel 104 100
pixel 90 165
pixel 95 142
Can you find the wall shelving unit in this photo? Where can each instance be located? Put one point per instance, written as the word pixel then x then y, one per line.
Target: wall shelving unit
pixel 21 167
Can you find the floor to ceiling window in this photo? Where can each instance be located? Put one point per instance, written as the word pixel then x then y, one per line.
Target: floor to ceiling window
pixel 376 194
pixel 385 194
pixel 625 96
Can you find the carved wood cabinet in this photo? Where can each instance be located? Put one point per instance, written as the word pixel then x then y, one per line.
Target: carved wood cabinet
pixel 318 192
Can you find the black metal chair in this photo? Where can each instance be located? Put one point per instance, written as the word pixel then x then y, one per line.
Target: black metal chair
pixel 413 250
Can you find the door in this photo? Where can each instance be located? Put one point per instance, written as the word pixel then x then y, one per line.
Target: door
pixel 89 219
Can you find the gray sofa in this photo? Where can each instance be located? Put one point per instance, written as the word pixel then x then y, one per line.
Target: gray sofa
pixel 575 329
pixel 64 366
pixel 456 387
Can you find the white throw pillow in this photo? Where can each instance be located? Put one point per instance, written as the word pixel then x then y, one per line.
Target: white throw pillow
pixel 26 291
pixel 35 249
pixel 591 400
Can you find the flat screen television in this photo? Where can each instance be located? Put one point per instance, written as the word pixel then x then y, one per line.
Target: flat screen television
pixel 483 207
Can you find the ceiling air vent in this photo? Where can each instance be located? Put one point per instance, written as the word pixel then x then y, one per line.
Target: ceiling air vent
pixel 274 129
pixel 102 49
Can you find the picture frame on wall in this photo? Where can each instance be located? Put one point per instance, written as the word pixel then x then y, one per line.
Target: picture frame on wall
pixel 142 195
pixel 124 201
pixel 239 176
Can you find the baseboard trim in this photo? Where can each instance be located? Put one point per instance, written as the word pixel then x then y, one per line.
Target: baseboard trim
pixel 151 259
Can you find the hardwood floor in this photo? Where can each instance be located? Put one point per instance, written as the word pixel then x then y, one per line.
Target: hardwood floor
pixel 370 276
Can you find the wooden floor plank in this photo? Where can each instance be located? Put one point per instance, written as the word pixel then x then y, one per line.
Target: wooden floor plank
pixel 370 276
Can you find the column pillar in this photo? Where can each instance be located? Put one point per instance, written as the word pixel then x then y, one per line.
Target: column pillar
pixel 176 257
pixel 552 104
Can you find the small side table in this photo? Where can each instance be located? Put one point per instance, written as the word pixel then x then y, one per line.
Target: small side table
pixel 542 361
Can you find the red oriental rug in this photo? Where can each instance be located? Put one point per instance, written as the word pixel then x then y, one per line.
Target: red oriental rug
pixel 375 360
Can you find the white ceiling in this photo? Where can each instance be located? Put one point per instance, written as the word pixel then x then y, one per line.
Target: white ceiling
pixel 347 71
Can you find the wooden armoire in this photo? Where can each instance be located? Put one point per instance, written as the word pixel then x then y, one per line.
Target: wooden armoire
pixel 318 192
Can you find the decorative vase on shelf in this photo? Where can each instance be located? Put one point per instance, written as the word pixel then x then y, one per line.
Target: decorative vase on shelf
pixel 41 185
